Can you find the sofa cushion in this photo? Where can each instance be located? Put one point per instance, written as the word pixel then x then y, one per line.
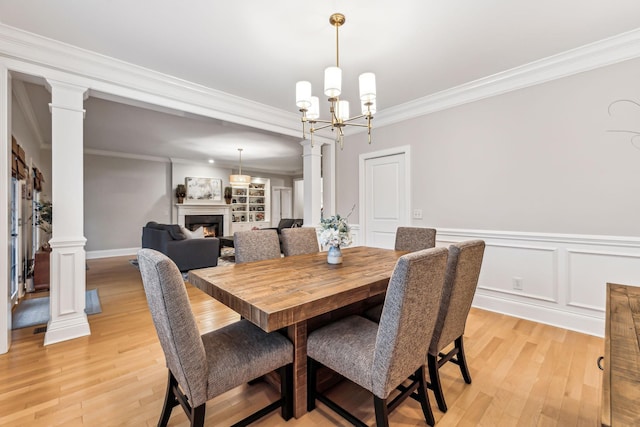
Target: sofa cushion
pixel 174 229
pixel 175 232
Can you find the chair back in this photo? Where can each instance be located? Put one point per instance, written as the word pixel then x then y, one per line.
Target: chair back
pixel 408 318
pixel 175 324
pixel 298 241
pixel 256 245
pixel 415 238
pixel 461 280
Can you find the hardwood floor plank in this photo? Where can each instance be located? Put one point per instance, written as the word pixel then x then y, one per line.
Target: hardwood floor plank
pixel 524 373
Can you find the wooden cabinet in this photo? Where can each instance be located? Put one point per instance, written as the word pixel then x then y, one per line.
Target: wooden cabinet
pixel 621 376
pixel 41 271
pixel 250 206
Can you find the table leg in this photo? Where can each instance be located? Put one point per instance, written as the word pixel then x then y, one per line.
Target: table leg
pixel 298 335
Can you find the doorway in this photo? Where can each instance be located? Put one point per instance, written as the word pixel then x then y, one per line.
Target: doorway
pixel 385 186
pixel 281 206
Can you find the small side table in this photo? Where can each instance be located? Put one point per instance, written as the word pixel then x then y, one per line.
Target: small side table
pixel 41 271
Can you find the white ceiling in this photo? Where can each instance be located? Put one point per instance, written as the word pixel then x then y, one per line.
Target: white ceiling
pixel 257 50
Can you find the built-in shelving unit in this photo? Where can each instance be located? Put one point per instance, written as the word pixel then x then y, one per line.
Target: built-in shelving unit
pixel 250 206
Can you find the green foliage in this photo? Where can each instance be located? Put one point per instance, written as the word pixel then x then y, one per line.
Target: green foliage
pixel 44 215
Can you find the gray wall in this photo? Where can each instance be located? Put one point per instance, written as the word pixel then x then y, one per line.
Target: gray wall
pixel 120 196
pixel 123 194
pixel 538 159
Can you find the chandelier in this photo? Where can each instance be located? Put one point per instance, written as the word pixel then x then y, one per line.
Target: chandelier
pixel 239 179
pixel 338 109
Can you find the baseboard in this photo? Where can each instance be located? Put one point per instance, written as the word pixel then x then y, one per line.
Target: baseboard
pixel 108 253
pixel 562 319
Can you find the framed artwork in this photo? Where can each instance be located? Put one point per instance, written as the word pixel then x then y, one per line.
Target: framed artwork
pixel 204 189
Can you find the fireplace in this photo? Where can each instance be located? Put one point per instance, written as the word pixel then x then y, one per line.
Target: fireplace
pixel 213 225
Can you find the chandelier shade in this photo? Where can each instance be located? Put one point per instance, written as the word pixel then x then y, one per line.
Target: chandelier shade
pixel 239 180
pixel 338 109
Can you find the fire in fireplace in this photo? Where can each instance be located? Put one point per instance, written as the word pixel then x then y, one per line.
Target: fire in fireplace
pixel 211 224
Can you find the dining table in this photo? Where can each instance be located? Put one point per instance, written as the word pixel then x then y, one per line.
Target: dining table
pixel 290 294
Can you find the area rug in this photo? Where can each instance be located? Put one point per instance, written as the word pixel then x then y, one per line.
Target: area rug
pixel 35 311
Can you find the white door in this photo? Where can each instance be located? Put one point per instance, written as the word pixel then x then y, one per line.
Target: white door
pixel 281 206
pixel 385 192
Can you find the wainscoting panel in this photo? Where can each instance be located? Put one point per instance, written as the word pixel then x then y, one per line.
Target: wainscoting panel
pixel 563 277
pixel 588 269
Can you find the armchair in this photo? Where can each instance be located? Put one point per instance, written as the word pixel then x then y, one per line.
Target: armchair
pixel 187 254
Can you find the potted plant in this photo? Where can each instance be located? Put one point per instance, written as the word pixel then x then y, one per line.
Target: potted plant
pixel 227 194
pixel 181 192
pixel 44 220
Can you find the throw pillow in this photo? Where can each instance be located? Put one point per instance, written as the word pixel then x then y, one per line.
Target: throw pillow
pixel 195 234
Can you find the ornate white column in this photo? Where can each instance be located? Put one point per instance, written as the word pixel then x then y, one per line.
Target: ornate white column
pixel 311 157
pixel 68 276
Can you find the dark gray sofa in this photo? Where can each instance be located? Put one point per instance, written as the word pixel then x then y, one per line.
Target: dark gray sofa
pixel 188 254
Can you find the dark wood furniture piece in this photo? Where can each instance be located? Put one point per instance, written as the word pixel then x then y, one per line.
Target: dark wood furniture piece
pixel 621 376
pixel 292 292
pixel 226 241
pixel 41 271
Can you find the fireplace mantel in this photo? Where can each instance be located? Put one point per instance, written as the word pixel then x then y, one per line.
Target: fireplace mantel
pixel 205 209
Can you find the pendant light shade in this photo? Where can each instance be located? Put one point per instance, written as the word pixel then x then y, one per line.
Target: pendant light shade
pixel 339 117
pixel 239 180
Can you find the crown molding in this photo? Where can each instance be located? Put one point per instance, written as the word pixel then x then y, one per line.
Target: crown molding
pixel 33 54
pixel 604 52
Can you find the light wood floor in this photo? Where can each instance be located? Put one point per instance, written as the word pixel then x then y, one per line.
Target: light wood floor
pixel 524 373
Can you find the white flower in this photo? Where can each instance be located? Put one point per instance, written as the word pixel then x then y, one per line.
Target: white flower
pixel 335 232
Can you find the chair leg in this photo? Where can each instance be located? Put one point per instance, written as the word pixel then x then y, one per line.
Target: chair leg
pixel 434 378
pixel 462 361
pixel 311 384
pixel 197 416
pixel 170 401
pixel 382 412
pixel 424 398
pixel 286 391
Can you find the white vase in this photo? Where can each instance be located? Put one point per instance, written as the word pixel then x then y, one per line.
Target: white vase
pixel 334 255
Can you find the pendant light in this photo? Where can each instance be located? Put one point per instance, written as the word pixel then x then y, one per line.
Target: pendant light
pixel 240 180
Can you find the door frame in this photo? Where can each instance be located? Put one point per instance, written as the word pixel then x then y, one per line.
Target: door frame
pixel 404 149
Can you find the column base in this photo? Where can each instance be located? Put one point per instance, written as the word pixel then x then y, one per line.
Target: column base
pixel 67 328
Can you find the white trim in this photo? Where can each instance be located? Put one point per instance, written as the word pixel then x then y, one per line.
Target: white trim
pixel 609 51
pixel 404 149
pixel 36 55
pixel 625 241
pixel 108 253
pixel 569 297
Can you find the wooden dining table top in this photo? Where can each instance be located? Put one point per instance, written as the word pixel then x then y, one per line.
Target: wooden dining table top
pixel 277 293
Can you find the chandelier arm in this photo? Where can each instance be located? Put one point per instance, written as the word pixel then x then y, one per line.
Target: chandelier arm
pixel 329 124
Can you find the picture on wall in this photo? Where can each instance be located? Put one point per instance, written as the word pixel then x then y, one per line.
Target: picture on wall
pixel 204 189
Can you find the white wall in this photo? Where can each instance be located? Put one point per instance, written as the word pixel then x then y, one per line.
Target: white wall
pixel 534 165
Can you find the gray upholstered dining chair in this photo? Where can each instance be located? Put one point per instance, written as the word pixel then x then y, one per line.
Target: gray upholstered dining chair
pixel 256 245
pixel 298 241
pixel 415 238
pixel 461 280
pixel 380 357
pixel 407 239
pixel 203 367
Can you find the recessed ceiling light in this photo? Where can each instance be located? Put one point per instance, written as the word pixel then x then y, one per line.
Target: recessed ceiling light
pixel 210 160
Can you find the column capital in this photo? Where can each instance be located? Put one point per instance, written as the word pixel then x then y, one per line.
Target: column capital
pixel 67 96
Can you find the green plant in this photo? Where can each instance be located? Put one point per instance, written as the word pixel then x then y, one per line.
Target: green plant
pixel 44 216
pixel 227 192
pixel 181 191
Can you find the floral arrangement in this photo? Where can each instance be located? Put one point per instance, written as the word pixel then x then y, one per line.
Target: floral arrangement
pixel 335 231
